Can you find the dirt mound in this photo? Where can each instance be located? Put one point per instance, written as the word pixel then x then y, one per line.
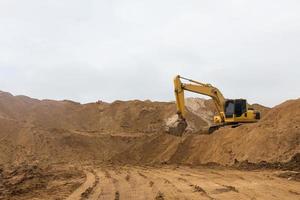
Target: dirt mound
pixel 293 164
pixel 134 132
pixel 276 138
pixel 262 109
pixel 62 131
pixel 118 117
pixel 31 181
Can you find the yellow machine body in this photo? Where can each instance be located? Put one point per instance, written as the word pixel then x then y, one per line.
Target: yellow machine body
pixel 230 111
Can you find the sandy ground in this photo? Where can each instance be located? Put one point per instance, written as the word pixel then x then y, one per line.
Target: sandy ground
pixel 66 150
pixel 171 182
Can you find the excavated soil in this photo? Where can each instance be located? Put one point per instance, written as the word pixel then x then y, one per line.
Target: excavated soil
pixel 120 150
pixel 173 182
pixel 32 181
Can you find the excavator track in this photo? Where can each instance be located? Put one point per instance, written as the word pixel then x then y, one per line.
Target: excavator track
pixel 178 128
pixel 217 126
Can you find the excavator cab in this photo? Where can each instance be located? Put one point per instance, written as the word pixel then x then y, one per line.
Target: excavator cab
pixel 235 107
pixel 237 111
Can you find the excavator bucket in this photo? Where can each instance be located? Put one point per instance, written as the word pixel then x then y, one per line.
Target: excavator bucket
pixel 177 128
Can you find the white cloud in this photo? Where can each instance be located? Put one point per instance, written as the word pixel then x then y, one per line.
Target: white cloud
pixel 89 50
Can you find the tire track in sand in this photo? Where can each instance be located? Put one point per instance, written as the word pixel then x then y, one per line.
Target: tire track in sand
pixel 123 188
pixel 107 188
pixel 90 181
pixel 145 189
pixel 166 188
pixel 190 190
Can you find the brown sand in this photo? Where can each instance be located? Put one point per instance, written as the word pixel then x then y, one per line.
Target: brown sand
pixel 133 132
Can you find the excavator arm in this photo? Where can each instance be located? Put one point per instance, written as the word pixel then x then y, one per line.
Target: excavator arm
pixel 200 88
pixel 193 86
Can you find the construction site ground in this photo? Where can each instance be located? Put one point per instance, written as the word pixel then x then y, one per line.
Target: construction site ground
pixel 67 150
pixel 173 182
pixel 154 182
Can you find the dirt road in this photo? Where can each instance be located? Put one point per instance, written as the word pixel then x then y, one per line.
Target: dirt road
pixel 79 192
pixel 184 183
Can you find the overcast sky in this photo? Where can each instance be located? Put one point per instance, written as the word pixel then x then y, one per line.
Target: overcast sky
pixel 85 50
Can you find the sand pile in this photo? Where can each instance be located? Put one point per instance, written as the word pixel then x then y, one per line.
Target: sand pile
pixel 60 131
pixel 134 132
pixel 118 117
pixel 32 181
pixel 276 138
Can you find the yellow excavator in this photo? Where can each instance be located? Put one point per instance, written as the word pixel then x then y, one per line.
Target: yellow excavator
pixel 233 112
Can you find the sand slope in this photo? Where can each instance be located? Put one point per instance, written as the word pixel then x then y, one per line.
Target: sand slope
pixel 134 132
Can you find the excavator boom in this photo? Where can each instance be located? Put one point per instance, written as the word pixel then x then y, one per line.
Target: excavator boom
pixel 197 87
